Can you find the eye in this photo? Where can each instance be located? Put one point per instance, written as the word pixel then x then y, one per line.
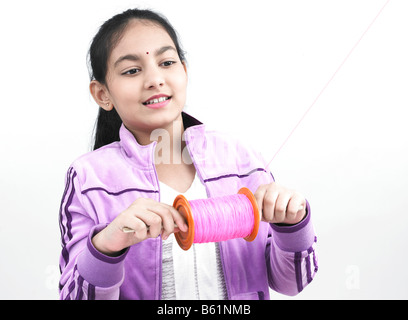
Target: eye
pixel 168 63
pixel 131 71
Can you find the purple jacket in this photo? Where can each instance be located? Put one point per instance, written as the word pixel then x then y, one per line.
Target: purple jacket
pixel 103 183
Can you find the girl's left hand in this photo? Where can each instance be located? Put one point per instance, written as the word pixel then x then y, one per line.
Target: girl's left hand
pixel 279 204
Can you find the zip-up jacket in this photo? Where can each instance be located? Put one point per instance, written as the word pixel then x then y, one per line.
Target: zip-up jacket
pixel 103 183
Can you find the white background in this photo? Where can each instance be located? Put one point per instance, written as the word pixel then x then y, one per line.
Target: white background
pixel 255 67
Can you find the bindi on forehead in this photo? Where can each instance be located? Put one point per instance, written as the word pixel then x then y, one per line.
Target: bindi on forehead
pixel 147 52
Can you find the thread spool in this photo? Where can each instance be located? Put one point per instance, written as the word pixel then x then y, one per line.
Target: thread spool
pixel 243 206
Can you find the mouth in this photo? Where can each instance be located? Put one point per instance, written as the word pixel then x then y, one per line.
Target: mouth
pixel 156 100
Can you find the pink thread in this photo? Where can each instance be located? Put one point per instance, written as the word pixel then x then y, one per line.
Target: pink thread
pixel 222 218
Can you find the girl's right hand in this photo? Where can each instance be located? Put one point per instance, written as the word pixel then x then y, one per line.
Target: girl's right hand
pixel 143 213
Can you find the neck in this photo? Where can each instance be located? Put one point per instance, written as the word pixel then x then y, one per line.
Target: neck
pixel 170 144
pixel 173 164
pixel 169 138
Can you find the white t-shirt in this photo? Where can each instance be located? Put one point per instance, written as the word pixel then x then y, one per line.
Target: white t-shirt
pixel 195 274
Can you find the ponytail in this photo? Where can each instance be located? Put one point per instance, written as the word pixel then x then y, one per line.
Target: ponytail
pixel 106 128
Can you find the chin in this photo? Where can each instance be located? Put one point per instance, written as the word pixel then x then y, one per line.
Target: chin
pixel 164 118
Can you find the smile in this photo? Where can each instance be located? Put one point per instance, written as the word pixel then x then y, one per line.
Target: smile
pixel 156 100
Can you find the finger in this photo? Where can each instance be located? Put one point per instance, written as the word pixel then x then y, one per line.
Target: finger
pixel 154 222
pixel 172 220
pixel 178 218
pixel 145 223
pixel 137 227
pixel 296 209
pixel 292 209
pixel 269 204
pixel 282 202
pixel 167 221
pixel 259 196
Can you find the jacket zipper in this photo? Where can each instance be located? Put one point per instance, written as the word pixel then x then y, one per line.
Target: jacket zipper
pixel 160 244
pixel 219 243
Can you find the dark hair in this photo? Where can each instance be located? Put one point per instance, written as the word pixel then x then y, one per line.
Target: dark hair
pixel 108 122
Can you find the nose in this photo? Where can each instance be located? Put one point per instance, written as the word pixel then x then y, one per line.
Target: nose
pixel 153 78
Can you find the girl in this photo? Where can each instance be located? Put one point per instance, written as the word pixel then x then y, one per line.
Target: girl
pixel 147 150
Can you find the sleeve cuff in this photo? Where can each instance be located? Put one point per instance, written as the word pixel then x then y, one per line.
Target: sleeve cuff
pixel 295 238
pixel 97 268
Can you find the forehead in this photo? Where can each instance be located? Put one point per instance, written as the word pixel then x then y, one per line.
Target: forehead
pixel 141 36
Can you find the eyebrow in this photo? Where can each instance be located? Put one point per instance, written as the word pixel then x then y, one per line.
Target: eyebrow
pixel 134 57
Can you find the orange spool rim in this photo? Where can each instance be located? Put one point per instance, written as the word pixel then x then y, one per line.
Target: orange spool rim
pixel 251 198
pixel 184 239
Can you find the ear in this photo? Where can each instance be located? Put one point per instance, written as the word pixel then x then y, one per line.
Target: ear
pixel 184 66
pixel 101 95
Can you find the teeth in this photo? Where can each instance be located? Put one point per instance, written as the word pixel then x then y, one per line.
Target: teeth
pixel 153 101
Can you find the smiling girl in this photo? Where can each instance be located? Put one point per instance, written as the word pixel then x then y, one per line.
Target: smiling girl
pixel 139 80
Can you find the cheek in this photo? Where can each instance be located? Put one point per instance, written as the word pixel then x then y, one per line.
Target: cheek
pixel 125 92
pixel 180 85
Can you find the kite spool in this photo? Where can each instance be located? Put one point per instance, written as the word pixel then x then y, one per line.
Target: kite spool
pixel 218 219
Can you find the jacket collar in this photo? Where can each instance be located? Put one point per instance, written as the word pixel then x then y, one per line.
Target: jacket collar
pixel 189 121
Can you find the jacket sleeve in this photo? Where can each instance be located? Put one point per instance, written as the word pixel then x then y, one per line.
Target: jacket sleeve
pixel 85 272
pixel 291 256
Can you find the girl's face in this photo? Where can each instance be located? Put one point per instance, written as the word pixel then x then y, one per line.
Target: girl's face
pixel 146 81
